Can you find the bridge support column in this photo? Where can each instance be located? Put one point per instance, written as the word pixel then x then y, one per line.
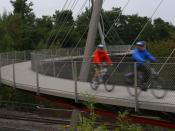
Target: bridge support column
pixel 90 40
pixel 101 35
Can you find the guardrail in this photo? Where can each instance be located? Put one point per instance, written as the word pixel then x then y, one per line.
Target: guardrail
pixel 69 69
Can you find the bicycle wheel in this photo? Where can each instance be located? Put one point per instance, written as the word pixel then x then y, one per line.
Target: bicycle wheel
pixel 157 88
pixel 131 90
pixel 108 87
pixel 94 84
pixel 130 86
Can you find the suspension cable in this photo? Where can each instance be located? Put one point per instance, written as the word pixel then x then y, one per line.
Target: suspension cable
pixel 160 3
pixel 117 19
pixel 64 21
pixel 73 48
pixel 80 11
pixel 57 18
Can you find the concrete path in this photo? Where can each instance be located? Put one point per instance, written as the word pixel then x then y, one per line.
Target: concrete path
pixel 25 79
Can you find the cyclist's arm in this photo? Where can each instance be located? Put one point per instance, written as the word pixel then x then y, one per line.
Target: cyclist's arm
pixel 107 58
pixel 150 57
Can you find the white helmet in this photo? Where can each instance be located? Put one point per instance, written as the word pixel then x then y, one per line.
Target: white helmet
pixel 141 43
pixel 100 46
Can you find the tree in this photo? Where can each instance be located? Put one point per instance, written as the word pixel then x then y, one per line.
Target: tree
pixel 23 12
pixel 82 22
pixel 111 23
pixel 161 29
pixel 22 8
pixel 43 27
pixel 63 18
pixel 63 29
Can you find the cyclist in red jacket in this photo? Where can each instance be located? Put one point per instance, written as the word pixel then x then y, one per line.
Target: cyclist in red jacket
pixel 100 56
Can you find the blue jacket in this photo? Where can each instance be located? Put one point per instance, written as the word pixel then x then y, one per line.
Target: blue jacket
pixel 142 56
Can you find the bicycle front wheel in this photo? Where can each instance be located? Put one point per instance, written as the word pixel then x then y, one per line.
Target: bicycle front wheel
pixel 131 90
pixel 157 89
pixel 109 88
pixel 94 85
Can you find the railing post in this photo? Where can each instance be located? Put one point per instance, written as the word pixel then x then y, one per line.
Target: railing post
pixel 37 83
pixel 37 76
pixel 14 78
pixel 7 59
pixel 15 56
pixel 25 55
pixel 54 72
pixel 135 87
pixel 74 74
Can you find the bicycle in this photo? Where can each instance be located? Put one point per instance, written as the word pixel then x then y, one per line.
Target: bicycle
pixel 102 78
pixel 155 84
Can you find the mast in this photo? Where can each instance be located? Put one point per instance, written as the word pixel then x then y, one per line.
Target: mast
pixel 90 42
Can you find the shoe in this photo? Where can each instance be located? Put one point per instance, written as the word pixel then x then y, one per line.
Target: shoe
pixel 143 87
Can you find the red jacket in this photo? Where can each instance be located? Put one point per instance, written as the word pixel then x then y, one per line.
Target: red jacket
pixel 100 56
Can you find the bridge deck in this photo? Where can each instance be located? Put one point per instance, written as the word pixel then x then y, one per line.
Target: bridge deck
pixel 26 79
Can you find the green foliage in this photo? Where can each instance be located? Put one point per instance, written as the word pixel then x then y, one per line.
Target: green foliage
pixel 161 48
pixel 41 45
pixel 89 123
pixel 123 124
pixel 22 8
pixel 21 30
pixel 63 18
pixel 82 22
pixel 19 96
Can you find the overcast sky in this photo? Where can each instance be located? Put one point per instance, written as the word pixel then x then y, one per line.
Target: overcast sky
pixel 141 7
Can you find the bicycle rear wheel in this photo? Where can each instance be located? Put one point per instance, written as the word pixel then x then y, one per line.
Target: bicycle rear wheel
pixel 157 89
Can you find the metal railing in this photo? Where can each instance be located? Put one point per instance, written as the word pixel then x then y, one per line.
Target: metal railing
pixel 15 63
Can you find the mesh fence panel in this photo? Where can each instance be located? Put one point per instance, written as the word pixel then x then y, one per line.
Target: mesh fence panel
pixel 58 63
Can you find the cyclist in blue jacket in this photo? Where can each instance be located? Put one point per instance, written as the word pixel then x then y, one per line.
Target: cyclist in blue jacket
pixel 141 55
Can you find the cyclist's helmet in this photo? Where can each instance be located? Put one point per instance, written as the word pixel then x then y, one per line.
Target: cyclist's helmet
pixel 141 43
pixel 100 46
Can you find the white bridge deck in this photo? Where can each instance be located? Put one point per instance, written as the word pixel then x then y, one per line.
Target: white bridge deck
pixel 25 79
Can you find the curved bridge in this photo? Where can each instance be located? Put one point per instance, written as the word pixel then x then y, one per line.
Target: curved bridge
pixel 16 72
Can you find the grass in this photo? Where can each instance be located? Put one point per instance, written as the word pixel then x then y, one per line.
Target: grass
pixel 9 95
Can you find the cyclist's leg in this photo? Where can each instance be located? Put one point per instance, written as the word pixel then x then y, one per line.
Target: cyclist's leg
pixel 146 74
pixel 97 73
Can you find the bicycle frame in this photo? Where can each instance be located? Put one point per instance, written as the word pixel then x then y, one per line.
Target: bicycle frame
pixel 101 79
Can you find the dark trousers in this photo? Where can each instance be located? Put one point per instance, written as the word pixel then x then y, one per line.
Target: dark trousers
pixel 146 72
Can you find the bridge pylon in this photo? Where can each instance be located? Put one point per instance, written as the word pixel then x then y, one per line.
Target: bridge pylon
pixel 90 42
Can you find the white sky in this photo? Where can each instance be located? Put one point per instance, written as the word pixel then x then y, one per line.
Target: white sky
pixel 141 7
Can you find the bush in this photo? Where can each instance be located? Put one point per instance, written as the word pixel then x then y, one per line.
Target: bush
pixel 163 48
pixel 89 123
